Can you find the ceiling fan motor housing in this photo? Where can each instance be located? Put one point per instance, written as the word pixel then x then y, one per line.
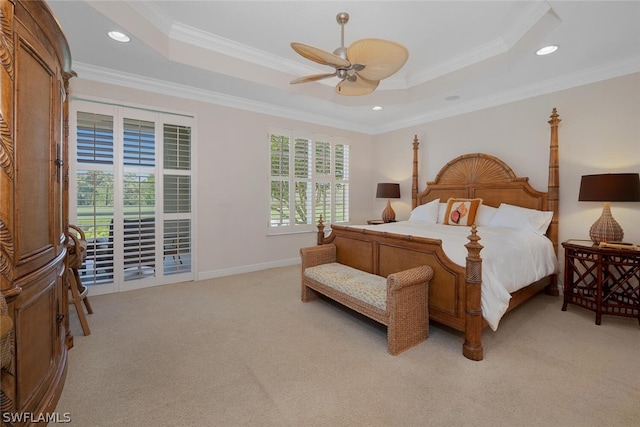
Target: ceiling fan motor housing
pixel 341 52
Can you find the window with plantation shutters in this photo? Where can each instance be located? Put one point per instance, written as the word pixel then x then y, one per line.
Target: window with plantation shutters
pixel 133 184
pixel 309 178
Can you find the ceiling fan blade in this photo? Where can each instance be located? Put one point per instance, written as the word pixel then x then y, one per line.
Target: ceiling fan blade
pixel 381 58
pixel 320 56
pixel 360 86
pixel 312 78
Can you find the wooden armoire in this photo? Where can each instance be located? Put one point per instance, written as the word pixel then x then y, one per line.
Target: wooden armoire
pixel 36 66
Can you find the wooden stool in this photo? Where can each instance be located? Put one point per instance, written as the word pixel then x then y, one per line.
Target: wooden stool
pixel 76 254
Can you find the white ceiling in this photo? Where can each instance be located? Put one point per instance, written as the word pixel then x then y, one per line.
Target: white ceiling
pixel 464 55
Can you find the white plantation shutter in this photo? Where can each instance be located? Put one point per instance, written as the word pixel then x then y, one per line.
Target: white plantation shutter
pixel 94 138
pixel 322 193
pixel 95 195
pixel 177 147
pixel 176 239
pixel 280 195
pixel 177 194
pixel 139 143
pixel 341 183
pixel 312 176
pixel 302 179
pixel 177 246
pixel 322 202
pixel 139 191
pixel 95 199
pixel 139 225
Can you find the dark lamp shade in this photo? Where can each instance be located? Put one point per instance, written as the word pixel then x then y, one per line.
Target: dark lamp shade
pixel 610 187
pixel 388 190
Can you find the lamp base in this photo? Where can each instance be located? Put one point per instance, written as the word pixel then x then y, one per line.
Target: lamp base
pixel 606 229
pixel 388 215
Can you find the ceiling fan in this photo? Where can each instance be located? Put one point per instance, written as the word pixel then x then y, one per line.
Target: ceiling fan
pixel 360 67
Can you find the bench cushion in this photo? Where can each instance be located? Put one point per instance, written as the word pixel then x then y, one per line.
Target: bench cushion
pixel 361 285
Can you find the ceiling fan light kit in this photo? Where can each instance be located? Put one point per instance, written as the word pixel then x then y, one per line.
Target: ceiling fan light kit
pixel 360 67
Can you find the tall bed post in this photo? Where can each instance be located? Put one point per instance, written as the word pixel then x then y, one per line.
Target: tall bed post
pixel 554 179
pixel 472 347
pixel 414 180
pixel 553 193
pixel 320 232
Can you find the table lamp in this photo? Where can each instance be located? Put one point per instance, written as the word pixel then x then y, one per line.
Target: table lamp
pixel 607 188
pixel 389 191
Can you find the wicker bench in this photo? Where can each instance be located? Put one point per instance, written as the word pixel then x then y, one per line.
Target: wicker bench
pixel 399 301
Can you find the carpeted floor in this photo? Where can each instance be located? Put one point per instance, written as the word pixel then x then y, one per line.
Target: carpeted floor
pixel 244 351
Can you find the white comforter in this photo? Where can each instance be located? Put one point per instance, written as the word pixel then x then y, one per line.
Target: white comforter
pixel 511 259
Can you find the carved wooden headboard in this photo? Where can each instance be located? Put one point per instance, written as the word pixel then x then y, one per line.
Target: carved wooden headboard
pixel 487 177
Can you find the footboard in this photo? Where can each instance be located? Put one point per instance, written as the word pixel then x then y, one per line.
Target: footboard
pixel 454 291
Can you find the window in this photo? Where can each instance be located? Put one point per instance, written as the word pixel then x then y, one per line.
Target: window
pixel 132 180
pixel 309 178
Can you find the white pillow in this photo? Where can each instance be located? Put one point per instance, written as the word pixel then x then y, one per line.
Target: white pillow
pixel 522 218
pixel 426 213
pixel 442 212
pixel 485 214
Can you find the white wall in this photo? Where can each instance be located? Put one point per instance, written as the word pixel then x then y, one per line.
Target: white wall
pixel 599 133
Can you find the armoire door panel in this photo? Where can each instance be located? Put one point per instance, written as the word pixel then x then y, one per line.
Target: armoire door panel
pixel 34 162
pixel 36 340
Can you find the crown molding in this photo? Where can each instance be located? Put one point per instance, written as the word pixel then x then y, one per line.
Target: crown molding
pixel 535 13
pixel 153 14
pixel 208 41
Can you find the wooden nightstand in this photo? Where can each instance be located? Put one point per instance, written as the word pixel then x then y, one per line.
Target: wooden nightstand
pixel 603 280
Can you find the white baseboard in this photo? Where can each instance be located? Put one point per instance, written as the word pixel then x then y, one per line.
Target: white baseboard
pixel 203 275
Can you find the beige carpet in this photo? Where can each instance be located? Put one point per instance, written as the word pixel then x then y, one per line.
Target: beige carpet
pixel 244 351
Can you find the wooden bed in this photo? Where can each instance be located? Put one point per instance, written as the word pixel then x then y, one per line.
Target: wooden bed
pixel 455 291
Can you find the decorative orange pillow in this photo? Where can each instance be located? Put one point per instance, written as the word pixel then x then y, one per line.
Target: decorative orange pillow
pixel 461 211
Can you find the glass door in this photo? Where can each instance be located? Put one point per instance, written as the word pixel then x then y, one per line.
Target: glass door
pixel 132 181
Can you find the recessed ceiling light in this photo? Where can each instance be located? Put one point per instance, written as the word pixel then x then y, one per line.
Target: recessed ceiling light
pixel 376 108
pixel 547 50
pixel 118 36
